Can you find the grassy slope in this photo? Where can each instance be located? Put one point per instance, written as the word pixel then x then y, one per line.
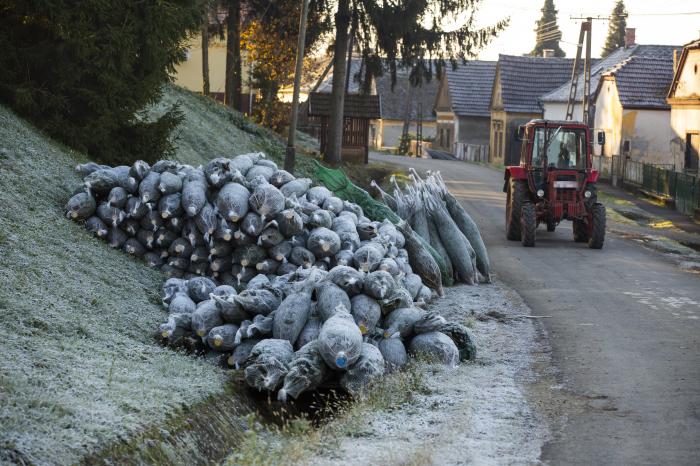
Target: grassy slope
pixel 79 366
pixel 212 130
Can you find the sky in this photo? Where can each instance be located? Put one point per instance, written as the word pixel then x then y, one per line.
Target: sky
pixel 656 22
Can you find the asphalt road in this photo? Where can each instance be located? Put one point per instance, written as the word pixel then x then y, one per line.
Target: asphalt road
pixel 624 331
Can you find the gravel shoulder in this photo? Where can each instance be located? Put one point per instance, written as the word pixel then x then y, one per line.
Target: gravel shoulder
pixel 477 413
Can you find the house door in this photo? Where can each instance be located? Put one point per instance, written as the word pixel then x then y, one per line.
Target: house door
pixel 692 149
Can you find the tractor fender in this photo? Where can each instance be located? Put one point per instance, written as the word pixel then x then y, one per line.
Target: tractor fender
pixel 515 172
pixel 593 177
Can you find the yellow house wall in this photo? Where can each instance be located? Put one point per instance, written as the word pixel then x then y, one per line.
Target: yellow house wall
pixel 684 120
pixel 443 102
pixel 497 115
pixel 688 85
pixel 188 74
pixel 445 121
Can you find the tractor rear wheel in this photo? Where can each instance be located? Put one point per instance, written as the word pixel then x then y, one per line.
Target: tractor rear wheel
pixel 580 231
pixel 598 228
pixel 517 192
pixel 528 224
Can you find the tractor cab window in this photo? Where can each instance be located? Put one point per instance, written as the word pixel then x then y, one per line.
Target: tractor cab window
pixel 561 148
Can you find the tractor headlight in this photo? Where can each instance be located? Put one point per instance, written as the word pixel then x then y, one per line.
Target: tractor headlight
pixel 587 194
pixel 540 193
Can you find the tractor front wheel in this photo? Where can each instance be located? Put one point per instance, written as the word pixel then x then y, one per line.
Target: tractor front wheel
pixel 528 224
pixel 580 231
pixel 514 205
pixel 597 229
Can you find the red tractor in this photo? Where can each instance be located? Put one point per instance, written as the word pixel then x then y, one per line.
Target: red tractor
pixel 554 182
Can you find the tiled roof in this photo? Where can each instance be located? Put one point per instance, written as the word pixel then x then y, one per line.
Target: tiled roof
pixel 561 94
pixel 643 82
pixel 470 87
pixel 356 105
pixel 525 79
pixel 394 101
pixel 353 85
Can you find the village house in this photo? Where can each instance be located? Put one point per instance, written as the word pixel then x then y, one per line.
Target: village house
pixel 554 103
pixel 403 103
pixel 632 111
pixel 684 98
pixel 517 87
pixel 385 131
pixel 462 108
pixel 188 73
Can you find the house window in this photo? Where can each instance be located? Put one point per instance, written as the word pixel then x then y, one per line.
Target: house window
pixel 692 149
pixel 626 147
pixel 498 139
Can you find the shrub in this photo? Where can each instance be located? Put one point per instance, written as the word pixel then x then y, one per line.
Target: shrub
pixel 81 70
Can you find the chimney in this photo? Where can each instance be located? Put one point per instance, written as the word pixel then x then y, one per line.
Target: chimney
pixel 547 53
pixel 629 37
pixel 675 60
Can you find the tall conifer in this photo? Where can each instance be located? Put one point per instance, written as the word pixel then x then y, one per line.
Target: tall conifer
pixel 547 30
pixel 616 29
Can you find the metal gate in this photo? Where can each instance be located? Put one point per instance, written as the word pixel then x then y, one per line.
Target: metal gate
pixel 687 193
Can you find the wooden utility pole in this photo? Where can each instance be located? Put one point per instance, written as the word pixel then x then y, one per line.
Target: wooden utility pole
pixel 405 143
pixel 290 154
pixel 419 130
pixel 585 34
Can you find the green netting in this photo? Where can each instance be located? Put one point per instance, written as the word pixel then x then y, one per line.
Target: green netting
pixel 338 182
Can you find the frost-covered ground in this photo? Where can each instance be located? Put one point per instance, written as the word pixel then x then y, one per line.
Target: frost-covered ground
pixel 79 365
pixel 214 130
pixel 475 414
pixel 80 368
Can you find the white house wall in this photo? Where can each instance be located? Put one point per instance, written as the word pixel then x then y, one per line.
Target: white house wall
pixel 557 111
pixel 608 118
pixel 650 134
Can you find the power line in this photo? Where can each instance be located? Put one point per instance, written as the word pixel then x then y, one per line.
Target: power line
pixel 666 14
pixel 607 18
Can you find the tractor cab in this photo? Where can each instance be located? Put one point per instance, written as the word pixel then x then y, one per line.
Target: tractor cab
pixel 553 182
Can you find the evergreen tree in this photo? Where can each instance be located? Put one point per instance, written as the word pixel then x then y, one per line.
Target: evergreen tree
pixel 390 35
pixel 548 33
pixel 616 29
pixel 83 71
